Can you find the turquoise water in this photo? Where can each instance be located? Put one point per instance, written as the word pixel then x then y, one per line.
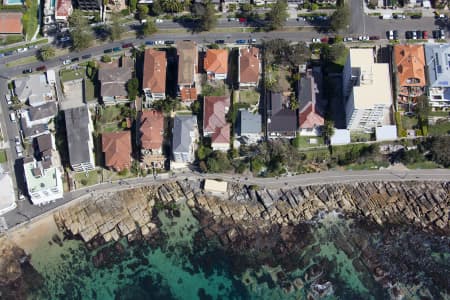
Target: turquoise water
pixel 178 266
pixel 14 2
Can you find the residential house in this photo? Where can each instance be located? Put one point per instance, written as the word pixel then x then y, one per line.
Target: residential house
pixel 8 195
pixel 154 81
pixel 89 4
pixel 281 119
pixel 367 91
pixel 410 71
pixel 215 109
pixel 249 67
pixel 216 64
pixel 438 73
pixel 249 127
pixel 117 149
pixel 184 138
pixel 187 68
pixel 310 114
pixel 113 79
pixel 34 89
pixel 151 132
pixel 42 172
pixel 63 10
pixel 80 142
pixel 35 120
pixel 11 23
pixel 116 5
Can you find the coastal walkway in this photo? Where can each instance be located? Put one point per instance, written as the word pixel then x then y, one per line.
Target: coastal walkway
pixel 26 212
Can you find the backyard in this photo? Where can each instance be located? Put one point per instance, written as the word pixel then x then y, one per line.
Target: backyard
pixel 3 157
pixel 30 19
pixel 86 179
pixel 110 118
pixel 440 128
pixel 249 96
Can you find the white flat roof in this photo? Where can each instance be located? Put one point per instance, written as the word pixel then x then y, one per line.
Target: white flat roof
pixel 340 137
pixel 215 186
pixel 7 196
pixel 375 83
pixel 51 77
pixel 386 133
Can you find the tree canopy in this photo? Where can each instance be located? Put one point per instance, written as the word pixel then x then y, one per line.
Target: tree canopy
pixel 205 14
pixel 143 11
pixel 82 35
pixel 46 52
pixel 340 19
pixel 132 88
pixel 277 15
pixel 148 27
pixel 281 52
pixel 115 29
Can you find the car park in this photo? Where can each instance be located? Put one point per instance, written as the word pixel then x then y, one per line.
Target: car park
pixel 117 49
pixel 149 43
pixel 86 56
pixel 41 68
pixel 220 41
pixel 241 41
pixel 108 51
pixel 169 42
pixel 27 71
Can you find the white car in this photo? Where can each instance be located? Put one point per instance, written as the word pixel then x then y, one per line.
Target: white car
pixel 20 50
pixel 360 38
pixel 348 39
pixel 316 40
pixel 158 20
pixel 67 62
pixel 159 42
pixel 8 99
pixel 17 140
pixel 366 38
pixel 414 35
pixel 390 34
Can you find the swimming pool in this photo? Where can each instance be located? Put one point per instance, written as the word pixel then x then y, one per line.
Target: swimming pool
pixel 53 2
pixel 13 2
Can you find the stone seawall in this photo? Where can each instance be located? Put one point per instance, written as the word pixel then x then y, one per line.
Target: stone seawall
pixel 113 215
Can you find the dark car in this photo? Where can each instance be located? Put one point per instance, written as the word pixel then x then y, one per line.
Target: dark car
pixel 127 45
pixel 169 42
pixel 75 59
pixel 117 49
pixel 41 68
pixel 395 35
pixel 419 34
pixel 86 56
pixel 108 51
pixel 27 71
pixel 416 17
pixel 242 20
pixel 8 53
pixel 149 43
pixel 374 37
pixel 241 41
pixel 408 35
pixel 220 41
pixel 435 34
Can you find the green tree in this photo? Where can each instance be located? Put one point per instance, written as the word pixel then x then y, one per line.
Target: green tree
pixel 148 27
pixel 82 35
pixel 106 58
pixel 246 7
pixel 340 19
pixel 77 19
pixel 336 52
pixel 143 11
pixel 46 52
pixel 328 130
pixel 296 142
pixel 203 152
pixel 132 88
pixel 133 5
pixel 440 151
pixel 206 15
pixel 172 6
pixel 196 107
pixel 256 165
pixel 277 15
pixel 156 8
pixel 116 29
pixel 422 107
pixel 314 6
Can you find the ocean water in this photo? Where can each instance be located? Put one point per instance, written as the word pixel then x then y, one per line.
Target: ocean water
pixel 180 267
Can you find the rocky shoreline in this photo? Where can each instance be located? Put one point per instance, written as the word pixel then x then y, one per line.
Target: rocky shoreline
pixel 111 216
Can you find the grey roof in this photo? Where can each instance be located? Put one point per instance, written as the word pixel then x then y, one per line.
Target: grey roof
pixel 44 142
pixel 32 131
pixel 282 119
pixel 248 122
pixel 187 61
pixel 77 122
pixel 306 92
pixel 43 111
pixel 182 126
pixel 113 80
pixel 438 64
pixel 33 87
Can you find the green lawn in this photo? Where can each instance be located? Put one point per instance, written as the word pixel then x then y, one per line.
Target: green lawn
pixel 22 61
pixel 110 114
pixel 11 39
pixel 3 157
pixel 439 113
pixel 423 165
pixel 68 75
pixel 86 179
pixel 90 89
pixel 409 122
pixel 440 128
pixel 304 141
pixel 251 97
pixel 30 19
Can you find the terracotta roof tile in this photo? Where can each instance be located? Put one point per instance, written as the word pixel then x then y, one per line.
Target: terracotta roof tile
pixel 249 65
pixel 151 129
pixel 216 61
pixel 117 149
pixel 11 22
pixel 63 8
pixel 188 94
pixel 214 118
pixel 410 61
pixel 155 64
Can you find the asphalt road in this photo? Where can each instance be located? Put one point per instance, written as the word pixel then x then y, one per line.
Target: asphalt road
pixel 25 211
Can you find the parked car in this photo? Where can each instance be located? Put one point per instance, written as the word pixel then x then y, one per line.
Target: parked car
pixel 27 71
pixel 86 56
pixel 242 20
pixel 395 33
pixel 8 99
pixel 324 40
pixel 159 21
pixel 419 34
pixel 442 33
pixel 416 16
pixel 41 68
pixel 20 50
pixel 399 17
pixel 425 35
pixel 19 150
pixel 414 35
pixel 159 42
pixel 12 116
pixel 127 45
pixel 149 43
pixel 108 51
pixel 316 40
pixel 374 37
pixel 2 54
pixel 8 53
pixel 75 59
pixel 117 49
pixel 241 41
pixel 67 61
pixel 169 42
pixel 390 34
pixel 232 19
pixel 64 39
pixel 348 39
pixel 435 34
pixel 252 41
pixel 408 35
pixel 219 41
pixel 17 140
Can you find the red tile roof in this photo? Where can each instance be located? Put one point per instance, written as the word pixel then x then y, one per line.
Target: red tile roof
pixel 216 61
pixel 308 118
pixel 155 64
pixel 63 8
pixel 188 94
pixel 249 65
pixel 117 149
pixel 410 61
pixel 11 22
pixel 214 118
pixel 151 129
